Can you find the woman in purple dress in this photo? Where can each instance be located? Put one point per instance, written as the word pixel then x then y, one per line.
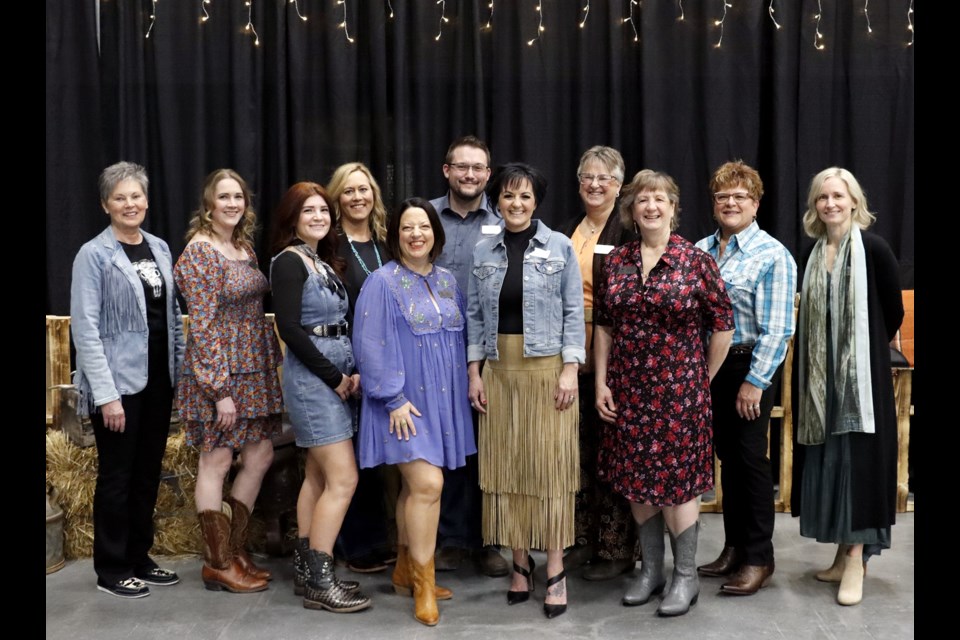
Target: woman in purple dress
pixel 664 325
pixel 409 344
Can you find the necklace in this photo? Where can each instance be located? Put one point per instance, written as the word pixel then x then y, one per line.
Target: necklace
pixel 363 265
pixel 326 273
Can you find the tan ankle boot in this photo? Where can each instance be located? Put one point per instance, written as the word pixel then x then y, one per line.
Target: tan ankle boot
pixel 239 527
pixel 220 569
pixel 402 580
pixel 835 571
pixel 851 582
pixel 424 593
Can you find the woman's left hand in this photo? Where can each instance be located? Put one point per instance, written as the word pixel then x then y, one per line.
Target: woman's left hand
pixel 401 423
pixel 748 401
pixel 566 394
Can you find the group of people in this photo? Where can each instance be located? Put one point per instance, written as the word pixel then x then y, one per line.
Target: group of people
pixel 532 389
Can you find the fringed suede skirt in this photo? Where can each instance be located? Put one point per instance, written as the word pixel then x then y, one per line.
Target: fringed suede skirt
pixel 529 452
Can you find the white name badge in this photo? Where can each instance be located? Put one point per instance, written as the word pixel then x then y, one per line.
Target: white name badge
pixel 603 249
pixel 540 253
pixel 490 229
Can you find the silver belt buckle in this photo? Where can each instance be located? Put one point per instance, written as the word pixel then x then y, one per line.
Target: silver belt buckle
pixel 320 330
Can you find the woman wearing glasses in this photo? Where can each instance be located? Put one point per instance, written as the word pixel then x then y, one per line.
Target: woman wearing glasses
pixel 761 277
pixel 604 528
pixel 663 327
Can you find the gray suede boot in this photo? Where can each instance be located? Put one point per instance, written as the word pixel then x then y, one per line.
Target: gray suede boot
pixel 685 586
pixel 651 579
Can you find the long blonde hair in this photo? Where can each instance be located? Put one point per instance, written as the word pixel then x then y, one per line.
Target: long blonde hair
pixel 336 186
pixel 202 221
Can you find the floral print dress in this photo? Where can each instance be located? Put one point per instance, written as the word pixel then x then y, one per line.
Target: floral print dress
pixel 660 451
pixel 232 349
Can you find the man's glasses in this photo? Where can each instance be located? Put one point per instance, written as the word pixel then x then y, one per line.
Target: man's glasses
pixel 463 167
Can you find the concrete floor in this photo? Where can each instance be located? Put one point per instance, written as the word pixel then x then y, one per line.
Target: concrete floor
pixel 794 605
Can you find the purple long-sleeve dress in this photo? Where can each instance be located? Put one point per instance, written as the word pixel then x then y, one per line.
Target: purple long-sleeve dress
pixel 410 349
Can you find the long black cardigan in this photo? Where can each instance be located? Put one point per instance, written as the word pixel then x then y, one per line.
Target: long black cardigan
pixel 873 456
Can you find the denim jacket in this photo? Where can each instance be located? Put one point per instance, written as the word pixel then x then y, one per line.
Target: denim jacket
pixel 110 333
pixel 552 298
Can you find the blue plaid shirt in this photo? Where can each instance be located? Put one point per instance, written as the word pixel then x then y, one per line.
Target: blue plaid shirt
pixel 761 279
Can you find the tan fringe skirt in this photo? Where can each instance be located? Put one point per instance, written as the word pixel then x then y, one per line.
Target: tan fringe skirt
pixel 529 452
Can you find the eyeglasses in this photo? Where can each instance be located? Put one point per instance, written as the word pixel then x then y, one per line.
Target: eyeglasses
pixel 463 167
pixel 739 198
pixel 603 178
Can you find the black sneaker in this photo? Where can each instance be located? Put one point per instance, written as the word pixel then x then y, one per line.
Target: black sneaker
pixel 126 588
pixel 158 576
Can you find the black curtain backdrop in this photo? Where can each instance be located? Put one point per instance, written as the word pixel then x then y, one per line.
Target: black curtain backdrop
pixel 196 96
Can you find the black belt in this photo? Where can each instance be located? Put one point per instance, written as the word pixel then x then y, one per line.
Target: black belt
pixel 327 330
pixel 741 349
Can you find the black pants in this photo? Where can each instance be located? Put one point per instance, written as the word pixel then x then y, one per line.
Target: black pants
pixel 128 480
pixel 460 504
pixel 745 478
pixel 365 529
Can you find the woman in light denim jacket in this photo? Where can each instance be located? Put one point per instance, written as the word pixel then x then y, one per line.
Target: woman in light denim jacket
pixel 525 318
pixel 128 335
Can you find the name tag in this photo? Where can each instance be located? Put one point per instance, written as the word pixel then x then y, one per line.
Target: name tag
pixel 490 229
pixel 603 249
pixel 628 270
pixel 540 253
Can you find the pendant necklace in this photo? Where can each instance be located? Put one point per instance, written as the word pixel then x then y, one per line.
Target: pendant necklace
pixel 363 265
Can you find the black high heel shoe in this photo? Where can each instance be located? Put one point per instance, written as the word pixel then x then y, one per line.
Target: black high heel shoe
pixel 554 610
pixel 516 597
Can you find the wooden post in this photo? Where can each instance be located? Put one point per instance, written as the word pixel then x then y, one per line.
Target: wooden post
pixel 57 362
pixel 902 392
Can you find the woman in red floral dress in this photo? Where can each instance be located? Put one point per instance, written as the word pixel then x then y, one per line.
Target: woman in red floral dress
pixel 663 328
pixel 229 394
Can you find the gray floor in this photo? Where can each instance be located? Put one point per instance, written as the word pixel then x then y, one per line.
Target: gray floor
pixel 794 605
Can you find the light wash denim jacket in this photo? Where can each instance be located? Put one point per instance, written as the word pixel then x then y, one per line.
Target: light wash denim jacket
pixel 108 320
pixel 552 298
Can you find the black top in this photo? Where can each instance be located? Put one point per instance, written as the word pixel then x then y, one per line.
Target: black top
pixel 287 276
pixel 511 293
pixel 355 276
pixel 154 291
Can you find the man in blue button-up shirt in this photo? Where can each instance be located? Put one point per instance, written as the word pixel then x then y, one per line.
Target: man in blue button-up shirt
pixel 466 215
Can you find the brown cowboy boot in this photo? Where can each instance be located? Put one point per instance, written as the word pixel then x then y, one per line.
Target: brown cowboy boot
pixel 220 571
pixel 424 592
pixel 403 581
pixel 239 526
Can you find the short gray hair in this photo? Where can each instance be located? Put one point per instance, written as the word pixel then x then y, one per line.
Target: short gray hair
pixel 609 157
pixel 117 173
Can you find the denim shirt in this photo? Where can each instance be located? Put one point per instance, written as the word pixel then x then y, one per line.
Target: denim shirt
pixel 462 235
pixel 552 298
pixel 111 334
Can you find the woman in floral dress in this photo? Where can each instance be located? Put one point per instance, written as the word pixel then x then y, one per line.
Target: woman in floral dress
pixel 659 300
pixel 229 394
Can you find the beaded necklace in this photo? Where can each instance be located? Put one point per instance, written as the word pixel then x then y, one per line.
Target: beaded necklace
pixel 363 265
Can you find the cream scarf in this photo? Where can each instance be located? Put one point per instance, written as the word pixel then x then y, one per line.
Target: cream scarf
pixel 850 337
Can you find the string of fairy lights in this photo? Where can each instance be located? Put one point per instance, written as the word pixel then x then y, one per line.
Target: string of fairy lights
pixel 632 17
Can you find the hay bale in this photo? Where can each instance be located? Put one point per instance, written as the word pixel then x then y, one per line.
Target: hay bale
pixel 72 470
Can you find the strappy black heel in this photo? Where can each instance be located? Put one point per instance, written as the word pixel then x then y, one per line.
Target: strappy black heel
pixel 516 597
pixel 554 610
